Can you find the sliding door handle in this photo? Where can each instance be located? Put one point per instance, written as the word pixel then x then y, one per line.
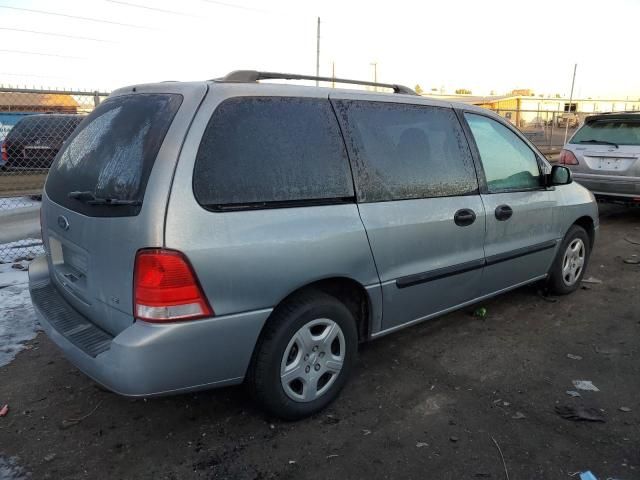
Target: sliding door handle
pixel 464 217
pixel 503 212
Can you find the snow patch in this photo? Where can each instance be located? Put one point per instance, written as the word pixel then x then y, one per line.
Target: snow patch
pixel 10 470
pixel 10 252
pixel 18 322
pixel 9 203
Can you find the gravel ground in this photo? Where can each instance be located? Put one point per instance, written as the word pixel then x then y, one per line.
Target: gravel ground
pixel 433 401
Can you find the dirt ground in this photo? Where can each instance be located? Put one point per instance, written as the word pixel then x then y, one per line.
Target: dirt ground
pixel 21 183
pixel 425 403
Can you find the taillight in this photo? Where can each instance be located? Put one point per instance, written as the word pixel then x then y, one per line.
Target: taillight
pixel 567 158
pixel 166 288
pixel 5 154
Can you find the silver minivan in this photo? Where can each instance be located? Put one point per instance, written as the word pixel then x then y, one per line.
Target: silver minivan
pixel 212 233
pixel 604 156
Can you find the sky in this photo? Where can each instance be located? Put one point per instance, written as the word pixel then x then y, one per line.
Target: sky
pixel 484 46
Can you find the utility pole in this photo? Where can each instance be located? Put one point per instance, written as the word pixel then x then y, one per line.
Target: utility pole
pixel 566 128
pixel 375 74
pixel 333 74
pixel 318 51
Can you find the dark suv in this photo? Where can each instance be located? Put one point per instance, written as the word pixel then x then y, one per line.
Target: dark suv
pixel 36 139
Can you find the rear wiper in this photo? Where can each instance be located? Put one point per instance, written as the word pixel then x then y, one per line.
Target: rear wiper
pixel 90 199
pixel 603 142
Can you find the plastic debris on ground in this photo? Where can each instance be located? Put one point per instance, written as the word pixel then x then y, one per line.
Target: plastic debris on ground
pixel 580 413
pixel 573 393
pixel 574 357
pixel 585 385
pixel 4 411
pixel 587 476
pixel 592 280
pixel 480 312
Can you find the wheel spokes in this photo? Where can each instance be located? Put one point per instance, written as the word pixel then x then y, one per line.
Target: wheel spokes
pixel 329 335
pixel 304 339
pixel 310 390
pixel 294 373
pixel 334 365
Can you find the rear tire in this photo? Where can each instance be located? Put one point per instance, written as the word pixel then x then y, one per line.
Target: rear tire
pixel 304 356
pixel 570 263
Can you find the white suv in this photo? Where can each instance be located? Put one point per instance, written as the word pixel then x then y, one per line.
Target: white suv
pixel 604 156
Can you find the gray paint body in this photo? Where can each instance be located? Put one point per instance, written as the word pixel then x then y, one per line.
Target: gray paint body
pixel 249 261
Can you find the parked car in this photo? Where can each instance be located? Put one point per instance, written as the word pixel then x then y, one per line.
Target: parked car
pixel 571 118
pixel 604 156
pixel 270 228
pixel 34 141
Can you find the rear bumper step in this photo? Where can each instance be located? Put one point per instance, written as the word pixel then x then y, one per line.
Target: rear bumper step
pixel 68 322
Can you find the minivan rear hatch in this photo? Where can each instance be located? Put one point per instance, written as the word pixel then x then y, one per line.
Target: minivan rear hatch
pixel 106 193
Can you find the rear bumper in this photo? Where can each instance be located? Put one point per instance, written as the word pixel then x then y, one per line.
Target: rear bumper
pixel 623 187
pixel 148 359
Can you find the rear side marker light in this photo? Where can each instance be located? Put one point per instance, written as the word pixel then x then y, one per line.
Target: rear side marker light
pixel 166 288
pixel 567 158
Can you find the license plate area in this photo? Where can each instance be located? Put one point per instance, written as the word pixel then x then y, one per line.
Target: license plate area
pixel 609 164
pixel 70 265
pixel 39 156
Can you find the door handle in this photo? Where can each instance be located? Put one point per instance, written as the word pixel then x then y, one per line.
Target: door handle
pixel 464 217
pixel 503 212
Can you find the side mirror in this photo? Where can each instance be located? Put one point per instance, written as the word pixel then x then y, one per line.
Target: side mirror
pixel 559 176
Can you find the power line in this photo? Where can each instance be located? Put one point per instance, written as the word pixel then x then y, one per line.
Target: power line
pixel 35 75
pixel 24 52
pixel 57 35
pixel 155 9
pixel 76 17
pixel 233 5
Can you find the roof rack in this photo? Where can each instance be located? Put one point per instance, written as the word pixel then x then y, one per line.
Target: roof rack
pixel 246 76
pixel 615 112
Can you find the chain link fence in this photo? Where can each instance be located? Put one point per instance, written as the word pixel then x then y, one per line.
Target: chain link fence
pixel 545 129
pixel 33 126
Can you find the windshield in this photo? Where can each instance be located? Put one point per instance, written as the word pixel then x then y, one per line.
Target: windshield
pixel 112 154
pixel 618 131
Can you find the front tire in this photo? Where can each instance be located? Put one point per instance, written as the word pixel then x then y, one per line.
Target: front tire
pixel 570 263
pixel 304 356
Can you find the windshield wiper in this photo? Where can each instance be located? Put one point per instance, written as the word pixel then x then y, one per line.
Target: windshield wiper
pixel 90 199
pixel 602 142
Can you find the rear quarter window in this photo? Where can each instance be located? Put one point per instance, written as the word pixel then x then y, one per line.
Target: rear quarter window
pixel 112 153
pixel 266 152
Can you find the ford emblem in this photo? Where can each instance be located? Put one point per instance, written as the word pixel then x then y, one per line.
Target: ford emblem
pixel 63 223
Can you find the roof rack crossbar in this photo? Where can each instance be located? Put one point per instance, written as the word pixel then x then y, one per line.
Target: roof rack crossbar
pixel 614 112
pixel 245 76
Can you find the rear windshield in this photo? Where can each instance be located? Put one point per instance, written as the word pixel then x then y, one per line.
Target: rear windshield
pixel 112 153
pixel 621 131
